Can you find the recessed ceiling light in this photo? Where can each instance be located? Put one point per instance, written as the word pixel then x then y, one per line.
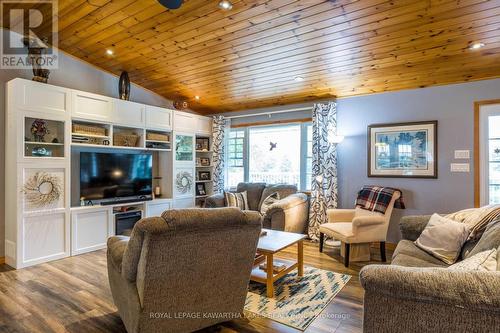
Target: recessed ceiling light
pixel 109 52
pixel 225 4
pixel 476 46
pixel 197 97
pixel 298 79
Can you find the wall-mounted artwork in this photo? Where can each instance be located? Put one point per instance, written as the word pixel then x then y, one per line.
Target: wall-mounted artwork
pixel 183 182
pixel 403 150
pixel 43 189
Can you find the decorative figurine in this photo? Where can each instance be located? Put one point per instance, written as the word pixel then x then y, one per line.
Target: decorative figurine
pixel 39 130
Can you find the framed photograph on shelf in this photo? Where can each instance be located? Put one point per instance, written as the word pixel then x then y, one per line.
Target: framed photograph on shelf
pixel 204 161
pixel 203 144
pixel 200 189
pixel 403 150
pixel 198 161
pixel 204 175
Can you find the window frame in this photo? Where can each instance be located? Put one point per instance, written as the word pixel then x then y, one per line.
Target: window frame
pixel 303 186
pixel 484 156
pixel 245 159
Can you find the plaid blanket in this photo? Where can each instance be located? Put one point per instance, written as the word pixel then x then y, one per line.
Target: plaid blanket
pixel 376 198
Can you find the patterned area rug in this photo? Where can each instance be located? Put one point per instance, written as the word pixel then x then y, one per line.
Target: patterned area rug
pixel 298 300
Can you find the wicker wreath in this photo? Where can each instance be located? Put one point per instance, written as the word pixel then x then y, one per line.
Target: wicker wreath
pixel 42 189
pixel 184 182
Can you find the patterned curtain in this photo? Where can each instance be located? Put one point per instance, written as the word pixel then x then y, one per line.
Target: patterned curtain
pixel 220 128
pixel 324 165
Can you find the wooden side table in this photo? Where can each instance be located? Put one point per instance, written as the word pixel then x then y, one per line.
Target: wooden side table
pixel 270 244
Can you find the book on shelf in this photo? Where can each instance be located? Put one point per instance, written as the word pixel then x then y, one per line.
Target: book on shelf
pixel 276 267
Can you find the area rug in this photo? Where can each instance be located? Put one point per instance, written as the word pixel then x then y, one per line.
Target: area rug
pixel 298 300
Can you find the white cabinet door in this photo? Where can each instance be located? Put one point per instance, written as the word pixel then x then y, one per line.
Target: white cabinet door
pixel 128 113
pixel 204 125
pixel 45 238
pixel 41 97
pixel 158 118
pixel 184 203
pixel 90 229
pixel 154 208
pixel 89 106
pixel 185 122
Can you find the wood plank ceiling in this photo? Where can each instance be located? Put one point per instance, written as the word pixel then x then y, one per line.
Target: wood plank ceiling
pixel 249 56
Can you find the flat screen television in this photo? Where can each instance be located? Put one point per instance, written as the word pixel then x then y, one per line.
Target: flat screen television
pixel 107 178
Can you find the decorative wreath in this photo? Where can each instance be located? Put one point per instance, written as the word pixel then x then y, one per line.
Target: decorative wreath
pixel 42 189
pixel 184 181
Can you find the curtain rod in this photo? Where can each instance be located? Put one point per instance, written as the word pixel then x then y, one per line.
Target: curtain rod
pixel 270 112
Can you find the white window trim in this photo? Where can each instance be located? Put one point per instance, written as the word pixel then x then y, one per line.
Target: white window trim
pixel 485 112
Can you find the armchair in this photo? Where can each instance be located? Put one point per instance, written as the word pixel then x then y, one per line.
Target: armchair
pixel 356 229
pixel 291 213
pixel 192 261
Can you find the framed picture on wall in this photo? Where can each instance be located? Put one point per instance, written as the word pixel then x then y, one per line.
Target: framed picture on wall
pixel 204 175
pixel 407 150
pixel 200 189
pixel 202 144
pixel 204 161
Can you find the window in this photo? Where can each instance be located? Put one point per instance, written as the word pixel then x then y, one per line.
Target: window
pixel 271 154
pixel 274 154
pixel 490 154
pixel 236 162
pixel 308 160
pixel 494 159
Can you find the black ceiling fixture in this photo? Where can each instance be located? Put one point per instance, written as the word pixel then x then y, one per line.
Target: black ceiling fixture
pixel 171 4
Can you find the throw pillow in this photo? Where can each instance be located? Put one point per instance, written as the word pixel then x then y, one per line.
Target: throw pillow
pixel 268 201
pixel 237 199
pixel 482 261
pixel 476 218
pixel 490 238
pixel 443 238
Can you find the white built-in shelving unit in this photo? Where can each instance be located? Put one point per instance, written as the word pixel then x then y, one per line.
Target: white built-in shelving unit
pixel 44 166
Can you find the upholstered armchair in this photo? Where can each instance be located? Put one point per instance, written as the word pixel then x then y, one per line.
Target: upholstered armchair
pixel 356 229
pixel 192 261
pixel 291 213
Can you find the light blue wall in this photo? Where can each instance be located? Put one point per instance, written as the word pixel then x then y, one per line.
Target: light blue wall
pixel 451 105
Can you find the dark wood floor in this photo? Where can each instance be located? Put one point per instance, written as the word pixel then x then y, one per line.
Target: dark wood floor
pixel 72 295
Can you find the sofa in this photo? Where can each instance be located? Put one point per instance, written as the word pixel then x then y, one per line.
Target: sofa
pixel 291 213
pixel 416 293
pixel 191 262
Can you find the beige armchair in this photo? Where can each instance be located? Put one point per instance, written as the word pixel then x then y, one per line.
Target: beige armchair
pixel 192 262
pixel 356 229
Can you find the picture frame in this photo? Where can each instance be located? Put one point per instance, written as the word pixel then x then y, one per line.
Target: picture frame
pixel 204 161
pixel 200 189
pixel 202 144
pixel 198 161
pixel 403 150
pixel 204 175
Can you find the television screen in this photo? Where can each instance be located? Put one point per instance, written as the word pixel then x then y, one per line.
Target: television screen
pixel 107 176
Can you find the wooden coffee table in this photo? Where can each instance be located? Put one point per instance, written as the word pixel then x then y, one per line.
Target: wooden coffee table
pixel 268 246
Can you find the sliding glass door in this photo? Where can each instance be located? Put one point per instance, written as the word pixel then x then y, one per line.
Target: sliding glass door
pixel 490 154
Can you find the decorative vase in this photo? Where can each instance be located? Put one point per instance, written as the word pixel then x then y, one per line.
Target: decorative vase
pixel 124 86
